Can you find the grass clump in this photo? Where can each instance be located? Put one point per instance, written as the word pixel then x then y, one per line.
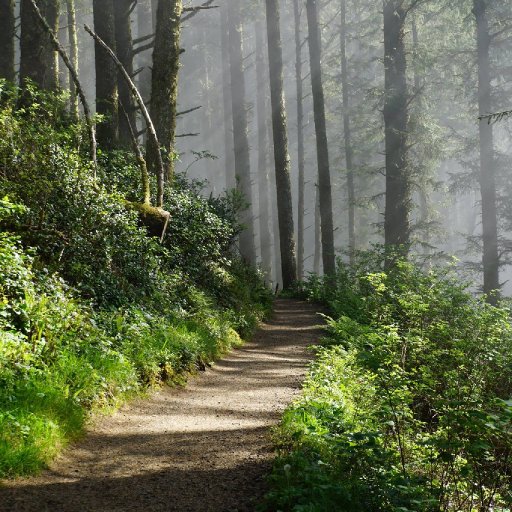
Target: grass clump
pixel 408 406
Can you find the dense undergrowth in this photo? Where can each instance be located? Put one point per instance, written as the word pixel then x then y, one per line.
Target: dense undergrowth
pixel 408 405
pixel 92 309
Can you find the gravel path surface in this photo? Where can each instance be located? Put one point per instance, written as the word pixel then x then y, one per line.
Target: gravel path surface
pixel 202 448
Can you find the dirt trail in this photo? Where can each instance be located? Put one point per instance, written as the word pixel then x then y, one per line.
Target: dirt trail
pixel 203 448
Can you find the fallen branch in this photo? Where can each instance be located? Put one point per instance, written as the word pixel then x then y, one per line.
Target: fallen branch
pixel 149 123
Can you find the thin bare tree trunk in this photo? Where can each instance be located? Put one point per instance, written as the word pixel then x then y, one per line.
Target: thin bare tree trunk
pixel 262 109
pixel 240 130
pixel 281 155
pixel 318 235
pixel 39 60
pixel 106 74
pixel 7 37
pixel 324 173
pixel 145 28
pixel 487 159
pixel 226 101
pixel 73 55
pixel 347 133
pixel 74 75
pixel 124 51
pixel 136 94
pixel 300 142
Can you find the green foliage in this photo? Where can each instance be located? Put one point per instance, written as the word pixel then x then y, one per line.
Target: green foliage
pixel 408 405
pixel 92 309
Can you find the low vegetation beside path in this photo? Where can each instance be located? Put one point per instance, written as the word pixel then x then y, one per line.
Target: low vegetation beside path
pixel 92 309
pixel 408 405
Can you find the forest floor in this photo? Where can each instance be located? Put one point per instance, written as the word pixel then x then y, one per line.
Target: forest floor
pixel 205 447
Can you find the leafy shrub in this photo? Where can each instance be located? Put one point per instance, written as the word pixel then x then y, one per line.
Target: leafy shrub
pixel 408 406
pixel 92 309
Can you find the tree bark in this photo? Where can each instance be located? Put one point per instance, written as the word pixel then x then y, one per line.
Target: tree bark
pixel 347 134
pixel 124 51
pixel 40 19
pixel 487 159
pixel 106 74
pixel 145 28
pixel 398 187
pixel 226 101
pixel 39 60
pixel 135 94
pixel 73 56
pixel 7 37
pixel 164 88
pixel 262 109
pixel 281 155
pixel 240 130
pixel 300 142
pixel 317 259
pixel 324 177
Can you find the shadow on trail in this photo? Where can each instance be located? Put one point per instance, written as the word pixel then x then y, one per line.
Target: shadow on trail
pixel 205 448
pixel 159 491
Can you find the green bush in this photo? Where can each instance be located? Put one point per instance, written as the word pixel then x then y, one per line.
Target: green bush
pixel 408 407
pixel 92 309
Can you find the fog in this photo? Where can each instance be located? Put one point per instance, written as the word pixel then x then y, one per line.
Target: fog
pixel 443 160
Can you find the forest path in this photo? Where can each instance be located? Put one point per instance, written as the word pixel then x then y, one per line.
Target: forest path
pixel 202 448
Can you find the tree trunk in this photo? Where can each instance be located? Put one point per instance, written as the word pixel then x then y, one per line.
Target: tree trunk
pixel 396 220
pixel 124 50
pixel 424 209
pixel 263 162
pixel 73 55
pixel 324 177
pixel 226 101
pixel 281 155
pixel 145 28
pixel 487 159
pixel 164 87
pixel 39 60
pixel 7 37
pixel 240 130
pixel 318 235
pixel 300 142
pixel 347 133
pixel 106 74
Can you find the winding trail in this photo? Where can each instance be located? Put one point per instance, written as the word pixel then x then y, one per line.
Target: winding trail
pixel 204 448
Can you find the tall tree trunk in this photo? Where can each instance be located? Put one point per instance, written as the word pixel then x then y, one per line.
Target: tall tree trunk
pixel 145 28
pixel 422 192
pixel 240 130
pixel 281 155
pixel 73 54
pixel 263 161
pixel 106 74
pixel 164 87
pixel 487 159
pixel 207 133
pixel 396 220
pixel 7 37
pixel 227 106
pixel 347 133
pixel 318 235
pixel 124 50
pixel 39 60
pixel 324 177
pixel 300 142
